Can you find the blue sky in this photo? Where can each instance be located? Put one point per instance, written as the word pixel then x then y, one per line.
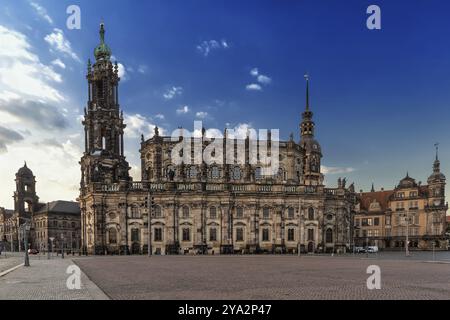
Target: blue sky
pixel 380 97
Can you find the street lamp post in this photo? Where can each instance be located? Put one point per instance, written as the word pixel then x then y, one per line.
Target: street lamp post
pixel 51 242
pixel 407 234
pixel 62 249
pixel 149 222
pixel 27 258
pixel 434 257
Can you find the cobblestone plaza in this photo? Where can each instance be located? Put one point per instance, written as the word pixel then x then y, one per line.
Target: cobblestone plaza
pixel 265 277
pixel 229 277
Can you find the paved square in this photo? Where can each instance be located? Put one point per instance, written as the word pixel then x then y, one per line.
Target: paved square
pixel 264 277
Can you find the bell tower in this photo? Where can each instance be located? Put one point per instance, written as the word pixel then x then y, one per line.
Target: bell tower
pixel 313 151
pixel 25 198
pixel 436 184
pixel 103 160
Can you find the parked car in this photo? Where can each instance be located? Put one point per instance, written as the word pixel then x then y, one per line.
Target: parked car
pixel 33 251
pixel 360 250
pixel 372 249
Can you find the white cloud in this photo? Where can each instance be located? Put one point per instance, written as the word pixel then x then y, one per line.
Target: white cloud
pixel 59 43
pixel 264 79
pixel 138 124
pixel 201 114
pixel 122 72
pixel 261 78
pixel 206 47
pixel 253 87
pixel 240 131
pixel 42 12
pixel 336 170
pixel 183 110
pixel 160 116
pixel 59 63
pixel 173 92
pixel 32 108
pixel 21 72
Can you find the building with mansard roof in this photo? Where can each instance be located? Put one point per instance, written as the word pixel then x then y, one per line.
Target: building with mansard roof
pixel 193 207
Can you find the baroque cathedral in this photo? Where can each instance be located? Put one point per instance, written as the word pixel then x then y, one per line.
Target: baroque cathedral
pixel 192 208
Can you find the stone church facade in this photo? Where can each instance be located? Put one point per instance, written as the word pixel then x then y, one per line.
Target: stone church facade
pixel 201 208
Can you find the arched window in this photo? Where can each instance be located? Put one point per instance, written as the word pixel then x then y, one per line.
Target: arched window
pixel 192 172
pixel 112 236
pixel 236 173
pixel 212 213
pixel 135 235
pixel 239 212
pixel 185 212
pixel 329 236
pixel 258 173
pixel 215 173
pixel 311 213
pixel 170 172
pixel 157 211
pixel 266 213
pixel 291 213
pixel 135 212
pixel 281 174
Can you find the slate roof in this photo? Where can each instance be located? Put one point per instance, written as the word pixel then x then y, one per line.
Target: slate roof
pixel 60 206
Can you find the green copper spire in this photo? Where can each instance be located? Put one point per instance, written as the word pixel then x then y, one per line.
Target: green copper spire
pixel 307 91
pixel 102 51
pixel 102 33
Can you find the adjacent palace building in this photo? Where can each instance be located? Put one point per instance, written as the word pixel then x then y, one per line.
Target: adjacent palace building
pixel 195 207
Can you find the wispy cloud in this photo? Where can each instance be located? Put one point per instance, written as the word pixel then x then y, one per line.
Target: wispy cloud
pixel 28 77
pixel 138 124
pixel 206 47
pixel 253 87
pixel 336 170
pixel 173 92
pixel 160 116
pixel 59 43
pixel 260 78
pixel 8 136
pixel 142 69
pixel 183 110
pixel 59 63
pixel 32 108
pixel 42 12
pixel 201 114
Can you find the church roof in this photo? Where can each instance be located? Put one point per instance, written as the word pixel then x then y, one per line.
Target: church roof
pixel 102 51
pixel 60 206
pixel 8 212
pixel 382 197
pixel 25 171
pixel 407 182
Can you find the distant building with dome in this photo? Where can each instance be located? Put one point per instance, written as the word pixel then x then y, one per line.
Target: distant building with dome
pixel 54 220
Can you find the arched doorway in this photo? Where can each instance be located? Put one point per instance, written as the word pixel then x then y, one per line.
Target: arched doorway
pixel 310 247
pixel 135 248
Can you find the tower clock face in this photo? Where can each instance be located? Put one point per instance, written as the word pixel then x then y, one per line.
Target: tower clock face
pixel 437 202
